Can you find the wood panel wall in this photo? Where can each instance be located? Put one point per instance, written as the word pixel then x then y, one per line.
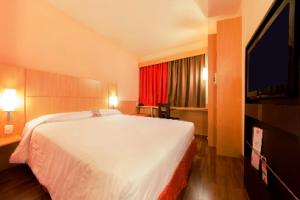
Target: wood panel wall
pixel 12 77
pixel 127 107
pixel 212 90
pixel 47 93
pixel 229 87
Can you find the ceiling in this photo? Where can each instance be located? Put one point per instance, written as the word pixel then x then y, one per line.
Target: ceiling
pixel 218 8
pixel 147 27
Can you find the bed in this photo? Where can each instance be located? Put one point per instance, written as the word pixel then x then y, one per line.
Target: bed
pixel 112 157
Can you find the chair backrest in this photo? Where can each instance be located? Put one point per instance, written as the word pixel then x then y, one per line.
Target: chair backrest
pixel 164 111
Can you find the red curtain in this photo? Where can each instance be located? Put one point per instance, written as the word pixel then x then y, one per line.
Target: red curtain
pixel 154 84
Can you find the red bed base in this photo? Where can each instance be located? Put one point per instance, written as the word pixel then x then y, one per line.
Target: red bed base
pixel 180 177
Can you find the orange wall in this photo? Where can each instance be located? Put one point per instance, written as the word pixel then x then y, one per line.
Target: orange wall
pixel 36 35
pixel 253 11
pixel 179 52
pixel 229 87
pixel 183 54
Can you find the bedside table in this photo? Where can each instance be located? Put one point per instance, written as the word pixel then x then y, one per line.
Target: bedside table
pixel 7 146
pixel 9 140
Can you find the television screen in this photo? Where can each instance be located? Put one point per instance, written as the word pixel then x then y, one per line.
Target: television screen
pixel 268 60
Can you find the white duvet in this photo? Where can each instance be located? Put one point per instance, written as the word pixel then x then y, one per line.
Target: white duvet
pixel 107 158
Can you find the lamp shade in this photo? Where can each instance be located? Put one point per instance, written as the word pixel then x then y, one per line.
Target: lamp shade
pixel 9 100
pixel 113 101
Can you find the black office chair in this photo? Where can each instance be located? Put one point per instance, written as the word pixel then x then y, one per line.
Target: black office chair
pixel 164 111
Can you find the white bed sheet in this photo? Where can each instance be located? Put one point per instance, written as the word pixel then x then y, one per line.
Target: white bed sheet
pixel 109 158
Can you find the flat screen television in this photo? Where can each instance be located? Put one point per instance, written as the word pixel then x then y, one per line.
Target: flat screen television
pixel 271 64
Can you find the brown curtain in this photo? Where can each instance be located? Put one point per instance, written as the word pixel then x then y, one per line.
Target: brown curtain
pixel 186 87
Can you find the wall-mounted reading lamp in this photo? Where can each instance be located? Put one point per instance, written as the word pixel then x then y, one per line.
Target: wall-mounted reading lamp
pixel 205 74
pixel 113 101
pixel 9 101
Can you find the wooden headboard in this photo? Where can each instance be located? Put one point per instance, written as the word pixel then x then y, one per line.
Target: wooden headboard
pixel 43 93
pixel 47 93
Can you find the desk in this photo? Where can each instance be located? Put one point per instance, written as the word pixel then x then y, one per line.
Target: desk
pixel 192 114
pixel 152 108
pixel 190 108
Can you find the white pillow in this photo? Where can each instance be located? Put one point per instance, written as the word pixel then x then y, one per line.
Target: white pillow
pixel 108 112
pixel 70 116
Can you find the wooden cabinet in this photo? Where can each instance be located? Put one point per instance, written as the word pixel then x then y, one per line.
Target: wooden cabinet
pixel 229 87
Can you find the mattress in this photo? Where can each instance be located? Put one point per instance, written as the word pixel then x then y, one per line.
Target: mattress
pixel 114 157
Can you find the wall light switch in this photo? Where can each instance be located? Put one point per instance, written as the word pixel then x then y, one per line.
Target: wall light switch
pixel 8 129
pixel 215 78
